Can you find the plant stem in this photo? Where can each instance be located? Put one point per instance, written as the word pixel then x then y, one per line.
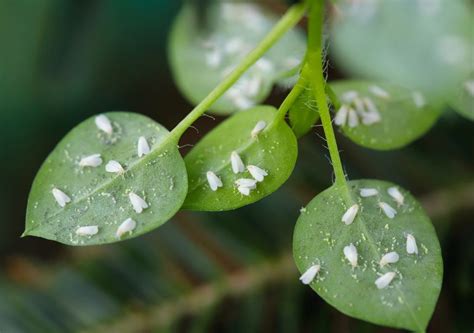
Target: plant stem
pixel 316 78
pixel 290 19
pixel 290 98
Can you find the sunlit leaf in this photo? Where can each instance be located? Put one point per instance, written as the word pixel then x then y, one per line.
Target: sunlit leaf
pixel 425 45
pixel 320 237
pixel 303 113
pixel 102 198
pixel 273 150
pixel 388 116
pixel 204 49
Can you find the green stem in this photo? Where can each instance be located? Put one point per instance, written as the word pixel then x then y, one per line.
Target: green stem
pixel 288 21
pixel 290 98
pixel 316 77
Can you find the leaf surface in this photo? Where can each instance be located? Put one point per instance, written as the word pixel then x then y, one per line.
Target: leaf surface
pixel 320 236
pixel 100 198
pixel 273 150
pixel 202 52
pixel 416 44
pixel 463 102
pixel 405 115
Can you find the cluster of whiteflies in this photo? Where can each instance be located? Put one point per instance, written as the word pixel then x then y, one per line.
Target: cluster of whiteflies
pixel 350 251
pixel 244 185
pixel 221 55
pixel 357 109
pixel 95 160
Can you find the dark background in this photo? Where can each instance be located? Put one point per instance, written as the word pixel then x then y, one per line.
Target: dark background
pixel 63 61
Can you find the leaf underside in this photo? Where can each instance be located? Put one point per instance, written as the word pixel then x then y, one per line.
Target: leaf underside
pixel 100 198
pixel 402 120
pixel 320 236
pixel 202 53
pixel 274 150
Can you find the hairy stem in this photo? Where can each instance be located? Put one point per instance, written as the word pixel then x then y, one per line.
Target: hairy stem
pixel 288 21
pixel 291 98
pixel 316 78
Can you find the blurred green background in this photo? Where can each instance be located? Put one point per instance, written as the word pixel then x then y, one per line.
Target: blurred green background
pixel 63 61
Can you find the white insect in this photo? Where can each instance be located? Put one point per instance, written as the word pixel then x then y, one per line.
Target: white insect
pixel 388 210
pixel 264 65
pixel 213 59
pixel 412 248
pixel 368 192
pixel 370 118
pixel 93 161
pixel 259 127
pixel 253 85
pixel 350 252
pixel 418 99
pixel 103 123
pixel 137 202
pixel 236 163
pixel 233 46
pixel 373 115
pixel 61 198
pixel 114 167
pixel 142 148
pixel 242 102
pixel 469 86
pixel 245 185
pixel 395 193
pixel 127 226
pixel 308 276
pixel 257 173
pixel 341 115
pixel 389 258
pixel 214 181
pixel 384 280
pixel 244 190
pixel 350 214
pixel 246 182
pixel 353 119
pixel 359 105
pixel 349 96
pixel 89 230
pixel 379 92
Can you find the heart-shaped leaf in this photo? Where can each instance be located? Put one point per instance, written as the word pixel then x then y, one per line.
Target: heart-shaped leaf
pixel 259 140
pixel 406 295
pixel 463 103
pixel 79 197
pixel 205 49
pixel 303 114
pixel 417 44
pixel 380 115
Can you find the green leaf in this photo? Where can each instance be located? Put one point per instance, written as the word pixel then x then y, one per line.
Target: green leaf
pixel 320 237
pixel 424 46
pixel 273 150
pixel 202 52
pixel 303 114
pixel 101 198
pixel 404 115
pixel 463 103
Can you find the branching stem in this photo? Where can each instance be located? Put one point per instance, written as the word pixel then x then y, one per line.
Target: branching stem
pixel 316 79
pixel 288 21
